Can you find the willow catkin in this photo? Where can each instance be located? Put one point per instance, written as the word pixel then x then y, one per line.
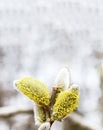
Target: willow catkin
pixel 35 90
pixel 66 103
pixel 39 114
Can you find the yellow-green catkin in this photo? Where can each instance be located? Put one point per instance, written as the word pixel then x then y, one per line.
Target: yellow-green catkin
pixel 66 103
pixel 74 89
pixel 35 90
pixel 40 114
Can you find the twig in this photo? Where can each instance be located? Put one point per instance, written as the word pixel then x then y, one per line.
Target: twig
pixel 12 110
pixel 74 117
pixel 78 121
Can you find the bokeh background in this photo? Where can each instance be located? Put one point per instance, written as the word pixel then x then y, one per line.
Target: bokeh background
pixel 38 38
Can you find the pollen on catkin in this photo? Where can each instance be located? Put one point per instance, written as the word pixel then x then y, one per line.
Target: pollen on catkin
pixel 66 103
pixel 35 90
pixel 74 88
pixel 39 114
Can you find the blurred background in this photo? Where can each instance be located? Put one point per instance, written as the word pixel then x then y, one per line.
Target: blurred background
pixel 38 38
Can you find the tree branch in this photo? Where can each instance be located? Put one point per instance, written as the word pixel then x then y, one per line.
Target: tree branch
pixel 78 122
pixel 12 110
pixel 72 120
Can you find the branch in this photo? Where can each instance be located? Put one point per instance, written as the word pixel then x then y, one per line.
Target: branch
pixel 76 121
pixel 12 110
pixel 72 120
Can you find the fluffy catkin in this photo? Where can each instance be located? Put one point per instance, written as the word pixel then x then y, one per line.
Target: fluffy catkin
pixel 35 90
pixel 39 114
pixel 66 103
